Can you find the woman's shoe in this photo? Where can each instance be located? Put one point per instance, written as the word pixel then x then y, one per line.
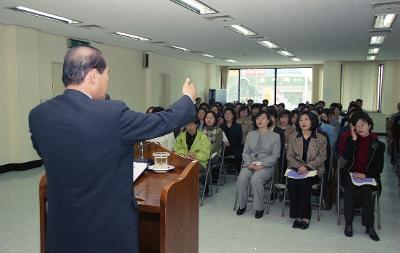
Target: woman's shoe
pixel 296 224
pixel 372 234
pixel 259 214
pixel 304 224
pixel 240 211
pixel 348 230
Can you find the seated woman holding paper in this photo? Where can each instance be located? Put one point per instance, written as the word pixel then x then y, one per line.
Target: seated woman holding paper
pixel 260 153
pixel 306 156
pixel 363 159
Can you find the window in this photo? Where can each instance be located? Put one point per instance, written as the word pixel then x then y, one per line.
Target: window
pixel 279 85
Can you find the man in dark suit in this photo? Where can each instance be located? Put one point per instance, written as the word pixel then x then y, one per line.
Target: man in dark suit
pixel 86 144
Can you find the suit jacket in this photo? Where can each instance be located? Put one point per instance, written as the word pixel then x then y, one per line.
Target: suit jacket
pixel 87 151
pixel 316 154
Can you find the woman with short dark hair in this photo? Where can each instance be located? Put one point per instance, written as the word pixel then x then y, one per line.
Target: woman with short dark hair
pixel 363 156
pixel 306 153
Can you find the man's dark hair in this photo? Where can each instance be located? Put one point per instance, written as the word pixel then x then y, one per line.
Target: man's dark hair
pixel 362 116
pixel 78 62
pixel 272 112
pixel 313 119
pixel 157 109
pixel 287 113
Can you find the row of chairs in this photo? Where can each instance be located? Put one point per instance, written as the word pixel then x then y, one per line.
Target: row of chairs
pixel 276 189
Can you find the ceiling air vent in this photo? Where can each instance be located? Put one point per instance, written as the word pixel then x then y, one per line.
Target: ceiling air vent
pixel 91 27
pixel 224 18
pixel 388 7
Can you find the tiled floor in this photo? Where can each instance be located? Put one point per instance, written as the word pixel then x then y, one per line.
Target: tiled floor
pixel 220 229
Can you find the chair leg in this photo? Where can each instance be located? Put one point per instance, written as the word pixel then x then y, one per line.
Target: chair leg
pixel 205 185
pixel 269 197
pixel 320 200
pixel 210 183
pixel 284 200
pixel 378 211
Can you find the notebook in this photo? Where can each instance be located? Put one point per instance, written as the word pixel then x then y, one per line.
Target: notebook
pixel 362 181
pixel 294 175
pixel 138 169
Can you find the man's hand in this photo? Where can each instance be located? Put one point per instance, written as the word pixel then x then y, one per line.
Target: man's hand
pixel 189 89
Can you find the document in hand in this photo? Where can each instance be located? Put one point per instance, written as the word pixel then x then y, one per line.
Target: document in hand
pixel 138 169
pixel 294 175
pixel 362 181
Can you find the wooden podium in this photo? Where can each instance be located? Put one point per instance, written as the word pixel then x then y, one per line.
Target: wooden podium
pixel 168 206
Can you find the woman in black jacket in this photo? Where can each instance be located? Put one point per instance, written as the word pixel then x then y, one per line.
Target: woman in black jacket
pixel 364 159
pixel 233 132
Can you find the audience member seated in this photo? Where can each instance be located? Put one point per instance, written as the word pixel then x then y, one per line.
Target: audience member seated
pixel 255 108
pixel 194 145
pixel 201 113
pixel 363 157
pixel 306 152
pixel 233 132
pixel 245 122
pixel 167 141
pixel 324 117
pixel 260 153
pixel 293 119
pixel 213 132
pixel 285 124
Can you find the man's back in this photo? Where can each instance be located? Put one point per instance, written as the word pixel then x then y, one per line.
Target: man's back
pixel 87 149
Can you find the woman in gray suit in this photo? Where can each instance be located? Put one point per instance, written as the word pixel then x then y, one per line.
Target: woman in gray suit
pixel 260 153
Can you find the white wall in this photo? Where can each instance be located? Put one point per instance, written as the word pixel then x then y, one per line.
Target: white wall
pixel 26 57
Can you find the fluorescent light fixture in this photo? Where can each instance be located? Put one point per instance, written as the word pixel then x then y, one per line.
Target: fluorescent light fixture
pixel 208 55
pixel 45 15
pixel 377 40
pixel 374 50
pixel 130 36
pixel 295 59
pixel 230 60
pixel 384 20
pixel 241 30
pixel 181 48
pixel 268 44
pixel 195 6
pixel 371 57
pixel 285 53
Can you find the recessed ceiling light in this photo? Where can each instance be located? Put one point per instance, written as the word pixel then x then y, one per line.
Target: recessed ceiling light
pixel 195 6
pixel 268 44
pixel 371 57
pixel 208 55
pixel 230 60
pixel 384 20
pixel 374 50
pixel 45 15
pixel 285 53
pixel 241 30
pixel 377 40
pixel 130 36
pixel 295 59
pixel 181 48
